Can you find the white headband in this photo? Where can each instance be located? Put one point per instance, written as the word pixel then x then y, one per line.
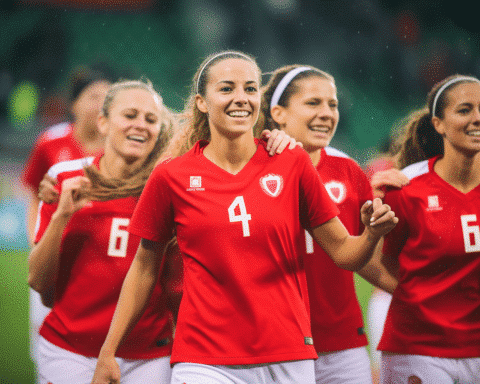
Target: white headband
pixel 284 83
pixel 445 86
pixel 214 57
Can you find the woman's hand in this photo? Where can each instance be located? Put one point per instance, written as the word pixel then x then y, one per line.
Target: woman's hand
pixel 107 371
pixel 278 140
pixel 74 195
pixel 378 218
pixel 47 191
pixel 389 178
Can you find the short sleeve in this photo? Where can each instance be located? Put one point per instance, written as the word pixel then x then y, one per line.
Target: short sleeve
pixel 153 216
pixel 35 168
pixel 395 239
pixel 316 206
pixel 44 215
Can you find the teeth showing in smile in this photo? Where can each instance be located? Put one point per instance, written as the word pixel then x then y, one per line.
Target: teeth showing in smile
pixel 140 139
pixel 474 133
pixel 238 113
pixel 319 129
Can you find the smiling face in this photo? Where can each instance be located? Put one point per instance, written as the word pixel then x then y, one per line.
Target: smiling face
pixel 132 125
pixel 232 97
pixel 311 114
pixel 460 124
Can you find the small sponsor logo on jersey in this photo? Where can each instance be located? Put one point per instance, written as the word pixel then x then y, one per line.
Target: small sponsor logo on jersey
pixel 433 204
pixel 414 380
pixel 272 184
pixel 336 190
pixel 195 184
pixel 308 340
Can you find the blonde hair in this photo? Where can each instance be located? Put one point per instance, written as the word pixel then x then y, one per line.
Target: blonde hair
pixel 104 188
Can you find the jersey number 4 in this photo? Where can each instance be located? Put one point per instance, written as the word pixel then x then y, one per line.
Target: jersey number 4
pixel 471 233
pixel 118 241
pixel 243 216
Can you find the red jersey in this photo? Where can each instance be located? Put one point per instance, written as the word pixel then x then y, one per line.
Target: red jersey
pixel 96 253
pixel 244 284
pixel 336 317
pixel 435 309
pixel 56 144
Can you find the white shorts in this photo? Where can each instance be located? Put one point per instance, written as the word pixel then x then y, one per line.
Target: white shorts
pixel 417 369
pixel 376 314
pixel 38 312
pixel 351 366
pixel 292 372
pixel 59 366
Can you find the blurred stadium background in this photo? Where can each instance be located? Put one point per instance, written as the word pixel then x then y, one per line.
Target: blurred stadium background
pixel 385 56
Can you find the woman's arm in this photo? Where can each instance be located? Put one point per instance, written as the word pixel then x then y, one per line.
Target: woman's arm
pixel 136 290
pixel 354 252
pixel 44 258
pixel 376 273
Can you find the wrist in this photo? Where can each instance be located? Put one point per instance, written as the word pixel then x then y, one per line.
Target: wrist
pixel 61 217
pixel 106 352
pixel 371 236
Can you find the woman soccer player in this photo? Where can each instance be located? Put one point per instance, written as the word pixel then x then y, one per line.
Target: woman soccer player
pixel 70 140
pixel 302 101
pixel 238 216
pixel 432 330
pixel 83 249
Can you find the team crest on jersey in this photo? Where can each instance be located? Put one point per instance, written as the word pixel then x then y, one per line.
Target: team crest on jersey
pixel 433 204
pixel 272 184
pixel 336 190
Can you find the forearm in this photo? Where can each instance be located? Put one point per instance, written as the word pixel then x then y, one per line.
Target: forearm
pixel 376 273
pixel 356 251
pixel 32 217
pixel 44 259
pixel 346 251
pixel 136 290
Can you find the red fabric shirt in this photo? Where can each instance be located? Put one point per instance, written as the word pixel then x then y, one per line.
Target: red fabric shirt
pixel 336 317
pixel 96 253
pixel 56 144
pixel 435 310
pixel 244 284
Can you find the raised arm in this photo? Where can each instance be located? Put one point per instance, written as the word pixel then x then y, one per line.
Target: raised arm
pixel 136 290
pixel 44 258
pixel 354 252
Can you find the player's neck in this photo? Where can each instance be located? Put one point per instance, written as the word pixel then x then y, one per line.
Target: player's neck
pixel 315 156
pixel 460 171
pixel 116 167
pixel 230 154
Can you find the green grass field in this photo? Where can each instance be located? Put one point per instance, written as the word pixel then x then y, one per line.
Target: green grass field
pixel 15 364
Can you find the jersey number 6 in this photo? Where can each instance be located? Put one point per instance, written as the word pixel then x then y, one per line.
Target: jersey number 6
pixel 470 231
pixel 117 244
